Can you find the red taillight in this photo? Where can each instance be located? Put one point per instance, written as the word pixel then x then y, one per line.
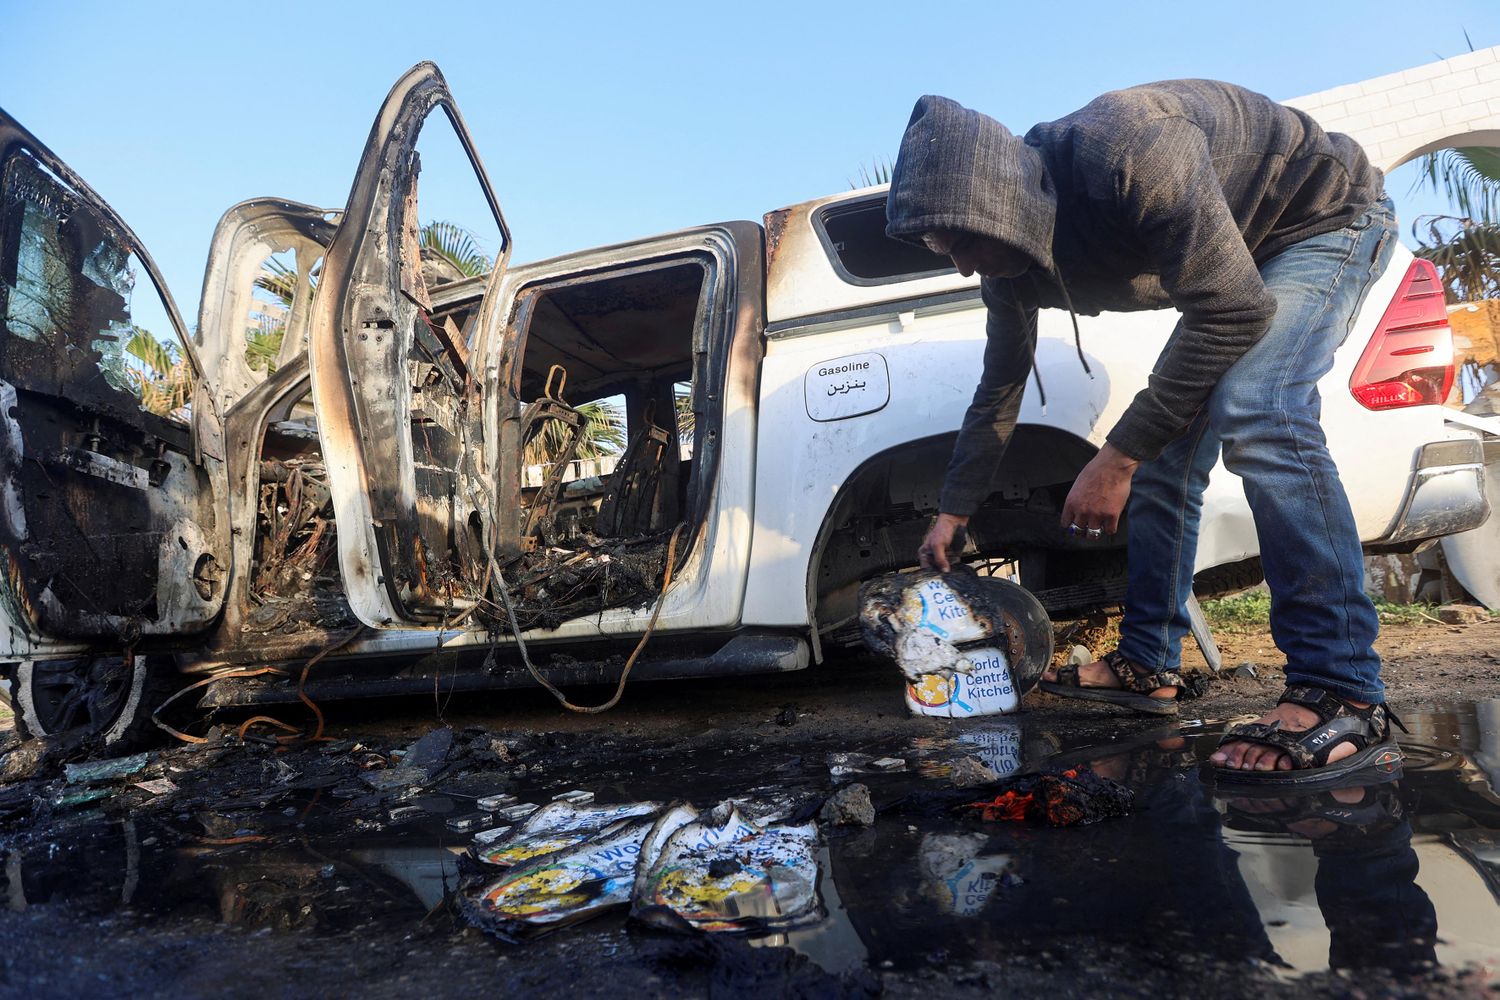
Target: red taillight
pixel 1409 360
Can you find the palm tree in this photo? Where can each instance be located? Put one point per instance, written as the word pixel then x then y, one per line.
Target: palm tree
pixel 160 376
pixel 263 344
pixel 878 172
pixel 1468 176
pixel 1466 254
pixel 603 434
pixel 1464 246
pixel 687 420
pixel 456 245
pixel 278 279
pixel 263 339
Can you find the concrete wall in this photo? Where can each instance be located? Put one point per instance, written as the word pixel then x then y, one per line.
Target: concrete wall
pixel 1455 102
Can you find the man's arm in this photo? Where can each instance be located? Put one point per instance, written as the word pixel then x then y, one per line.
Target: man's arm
pixel 1010 339
pixel 1171 196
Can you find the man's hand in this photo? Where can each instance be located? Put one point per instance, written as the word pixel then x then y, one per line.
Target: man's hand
pixel 947 532
pixel 1099 494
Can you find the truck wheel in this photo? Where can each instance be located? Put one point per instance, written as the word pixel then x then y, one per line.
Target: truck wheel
pixel 106 700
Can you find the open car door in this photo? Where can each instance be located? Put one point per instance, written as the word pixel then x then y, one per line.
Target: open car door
pixel 397 396
pixel 111 460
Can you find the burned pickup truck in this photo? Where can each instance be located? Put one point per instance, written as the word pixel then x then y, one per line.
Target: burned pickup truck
pixel 217 510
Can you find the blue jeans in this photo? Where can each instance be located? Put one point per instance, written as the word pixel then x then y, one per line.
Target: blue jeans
pixel 1264 413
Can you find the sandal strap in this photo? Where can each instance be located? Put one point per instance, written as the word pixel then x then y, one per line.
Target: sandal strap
pixel 1068 676
pixel 1131 680
pixel 1326 704
pixel 1271 736
pixel 1329 706
pixel 1338 723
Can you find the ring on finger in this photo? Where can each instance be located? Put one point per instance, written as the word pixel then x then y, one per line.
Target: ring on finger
pixel 1095 532
pixel 1074 529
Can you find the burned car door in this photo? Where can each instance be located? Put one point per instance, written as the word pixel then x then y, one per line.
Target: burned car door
pixel 258 287
pixel 397 398
pixel 111 456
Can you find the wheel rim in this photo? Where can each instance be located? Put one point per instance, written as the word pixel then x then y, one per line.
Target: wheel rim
pixel 79 695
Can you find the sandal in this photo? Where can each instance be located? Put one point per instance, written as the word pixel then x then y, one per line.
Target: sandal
pixel 1354 826
pixel 1134 691
pixel 1339 722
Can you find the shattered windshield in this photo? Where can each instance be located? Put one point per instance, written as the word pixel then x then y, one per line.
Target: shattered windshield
pixel 74 323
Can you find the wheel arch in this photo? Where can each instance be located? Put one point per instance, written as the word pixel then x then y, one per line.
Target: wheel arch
pixel 880 512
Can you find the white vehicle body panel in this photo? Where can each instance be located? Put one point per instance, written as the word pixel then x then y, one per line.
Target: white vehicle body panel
pixel 935 355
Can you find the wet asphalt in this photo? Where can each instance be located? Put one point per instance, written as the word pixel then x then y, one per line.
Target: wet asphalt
pixel 243 868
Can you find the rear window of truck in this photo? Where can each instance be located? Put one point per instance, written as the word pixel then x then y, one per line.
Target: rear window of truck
pixel 853 233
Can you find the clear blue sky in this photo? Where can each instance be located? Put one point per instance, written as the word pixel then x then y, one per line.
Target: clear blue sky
pixel 600 122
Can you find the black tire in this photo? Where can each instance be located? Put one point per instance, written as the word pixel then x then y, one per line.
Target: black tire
pixel 1028 627
pixel 102 700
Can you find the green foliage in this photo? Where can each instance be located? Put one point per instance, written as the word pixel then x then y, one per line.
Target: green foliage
pixel 160 375
pixel 278 279
pixel 687 420
pixel 1465 246
pixel 263 339
pixel 1466 254
pixel 1239 613
pixel 456 245
pixel 603 434
pixel 1404 614
pixel 263 346
pixel 1469 177
pixel 878 172
pixel 1251 612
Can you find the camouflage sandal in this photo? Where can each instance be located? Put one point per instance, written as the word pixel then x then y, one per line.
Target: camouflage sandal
pixel 1368 730
pixel 1354 826
pixel 1134 691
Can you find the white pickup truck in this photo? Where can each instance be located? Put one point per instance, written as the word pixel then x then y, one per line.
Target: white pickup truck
pixel 185 513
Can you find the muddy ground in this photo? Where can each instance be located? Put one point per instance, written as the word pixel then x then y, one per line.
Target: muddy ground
pixel 266 872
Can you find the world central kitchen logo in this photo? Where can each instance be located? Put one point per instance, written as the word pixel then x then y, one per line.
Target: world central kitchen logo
pixel 988 680
pixel 941 609
pixel 991 677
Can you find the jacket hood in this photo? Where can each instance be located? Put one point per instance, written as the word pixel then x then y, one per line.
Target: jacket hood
pixel 959 169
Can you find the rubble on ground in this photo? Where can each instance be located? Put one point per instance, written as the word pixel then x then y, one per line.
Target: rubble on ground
pixel 849 806
pixel 967 772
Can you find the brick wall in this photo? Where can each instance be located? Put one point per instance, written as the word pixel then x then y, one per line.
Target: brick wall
pixel 1455 102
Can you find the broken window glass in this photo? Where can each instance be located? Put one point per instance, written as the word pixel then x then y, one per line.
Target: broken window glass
pixel 78 321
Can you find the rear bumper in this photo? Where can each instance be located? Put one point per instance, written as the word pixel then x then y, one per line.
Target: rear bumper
pixel 1445 495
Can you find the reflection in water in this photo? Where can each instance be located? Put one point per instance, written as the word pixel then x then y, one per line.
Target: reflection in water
pixel 1365 869
pixel 1400 873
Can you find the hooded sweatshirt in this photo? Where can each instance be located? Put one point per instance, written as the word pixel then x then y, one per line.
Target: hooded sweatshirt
pixel 1171 194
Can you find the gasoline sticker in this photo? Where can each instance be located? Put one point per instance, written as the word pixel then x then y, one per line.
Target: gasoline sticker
pixel 846 387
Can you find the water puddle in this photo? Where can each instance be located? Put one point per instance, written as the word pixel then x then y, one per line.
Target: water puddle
pixel 1398 874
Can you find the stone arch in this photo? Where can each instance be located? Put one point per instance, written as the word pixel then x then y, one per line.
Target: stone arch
pixel 1399 116
pixel 1480 137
